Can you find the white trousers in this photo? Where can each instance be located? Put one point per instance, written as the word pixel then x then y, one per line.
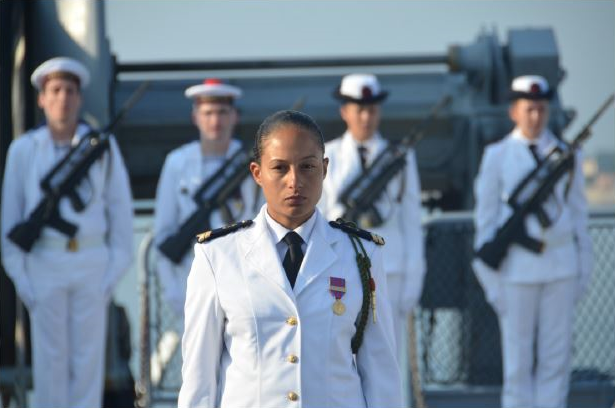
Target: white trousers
pixel 68 324
pixel 395 286
pixel 536 330
pixel 400 325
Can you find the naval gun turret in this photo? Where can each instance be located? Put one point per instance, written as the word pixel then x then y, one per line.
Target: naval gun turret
pixel 476 76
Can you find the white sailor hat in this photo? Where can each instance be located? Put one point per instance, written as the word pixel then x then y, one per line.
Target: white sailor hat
pixel 361 89
pixel 530 87
pixel 60 64
pixel 213 87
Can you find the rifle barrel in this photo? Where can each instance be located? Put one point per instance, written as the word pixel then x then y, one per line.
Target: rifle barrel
pixel 584 133
pixel 132 100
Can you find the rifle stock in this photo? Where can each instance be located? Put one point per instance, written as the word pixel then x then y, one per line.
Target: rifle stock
pixel 24 234
pixel 177 245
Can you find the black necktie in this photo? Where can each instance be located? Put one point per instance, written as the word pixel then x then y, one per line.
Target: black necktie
pixel 294 256
pixel 363 156
pixel 534 150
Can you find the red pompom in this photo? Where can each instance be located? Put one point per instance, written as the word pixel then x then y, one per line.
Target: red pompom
pixel 212 81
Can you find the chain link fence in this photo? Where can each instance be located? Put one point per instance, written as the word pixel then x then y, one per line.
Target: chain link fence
pixel 458 333
pixel 458 341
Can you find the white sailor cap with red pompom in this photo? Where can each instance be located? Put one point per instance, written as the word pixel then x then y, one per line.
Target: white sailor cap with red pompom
pixel 60 65
pixel 532 87
pixel 361 89
pixel 213 88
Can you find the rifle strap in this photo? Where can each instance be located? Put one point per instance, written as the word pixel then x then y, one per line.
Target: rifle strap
pixel 570 178
pixel 402 186
pixel 402 181
pixel 213 179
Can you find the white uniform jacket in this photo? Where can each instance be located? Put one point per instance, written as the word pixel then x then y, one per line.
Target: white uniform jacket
pixel 183 173
pixel 568 245
pixel 250 339
pixel 403 252
pixel 107 217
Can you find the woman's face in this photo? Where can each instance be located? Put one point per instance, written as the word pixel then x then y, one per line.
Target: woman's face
pixel 291 173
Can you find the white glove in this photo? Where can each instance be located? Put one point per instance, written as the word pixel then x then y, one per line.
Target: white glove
pixel 491 282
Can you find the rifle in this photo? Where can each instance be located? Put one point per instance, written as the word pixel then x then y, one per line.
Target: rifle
pixel 360 195
pixel 529 196
pixel 212 195
pixel 62 181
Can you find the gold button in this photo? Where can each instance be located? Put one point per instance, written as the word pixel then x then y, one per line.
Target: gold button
pixel 291 321
pixel 292 358
pixel 293 396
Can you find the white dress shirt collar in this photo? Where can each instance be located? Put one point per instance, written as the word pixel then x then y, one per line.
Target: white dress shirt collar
pixel 278 232
pixel 370 144
pixel 542 139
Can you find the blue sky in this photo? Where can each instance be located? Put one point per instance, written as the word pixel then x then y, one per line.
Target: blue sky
pixel 166 30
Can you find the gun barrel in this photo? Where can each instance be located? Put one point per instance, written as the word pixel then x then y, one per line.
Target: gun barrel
pixel 418 131
pixel 132 100
pixel 585 131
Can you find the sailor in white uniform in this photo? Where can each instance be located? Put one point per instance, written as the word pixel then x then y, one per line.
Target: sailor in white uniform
pixel 400 205
pixel 187 168
pixel 66 284
pixel 278 311
pixel 533 294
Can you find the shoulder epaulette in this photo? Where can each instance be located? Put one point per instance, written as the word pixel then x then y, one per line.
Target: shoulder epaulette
pixel 351 228
pixel 220 232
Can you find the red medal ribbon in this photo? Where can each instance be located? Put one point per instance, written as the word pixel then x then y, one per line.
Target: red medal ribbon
pixel 337 287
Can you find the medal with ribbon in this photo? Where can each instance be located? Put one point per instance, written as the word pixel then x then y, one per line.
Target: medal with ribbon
pixel 337 287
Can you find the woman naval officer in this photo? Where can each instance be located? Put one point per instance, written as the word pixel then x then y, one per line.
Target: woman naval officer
pixel 266 325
